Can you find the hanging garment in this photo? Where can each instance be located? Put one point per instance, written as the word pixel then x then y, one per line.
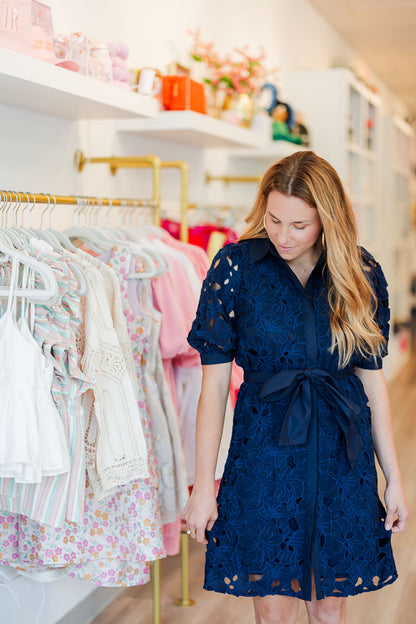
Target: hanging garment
pixel 139 326
pixel 115 448
pixel 54 331
pixel 117 537
pixel 32 439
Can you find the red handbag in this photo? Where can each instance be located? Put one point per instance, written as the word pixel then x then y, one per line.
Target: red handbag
pixel 183 93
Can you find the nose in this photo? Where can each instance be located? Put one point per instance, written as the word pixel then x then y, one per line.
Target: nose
pixel 284 235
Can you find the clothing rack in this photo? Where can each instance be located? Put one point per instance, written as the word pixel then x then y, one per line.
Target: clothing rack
pixel 140 162
pixel 154 162
pixel 26 198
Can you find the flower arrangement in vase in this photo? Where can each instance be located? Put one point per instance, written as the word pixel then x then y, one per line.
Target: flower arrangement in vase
pixel 237 77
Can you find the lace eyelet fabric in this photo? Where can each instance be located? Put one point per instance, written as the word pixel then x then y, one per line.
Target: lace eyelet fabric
pixel 299 491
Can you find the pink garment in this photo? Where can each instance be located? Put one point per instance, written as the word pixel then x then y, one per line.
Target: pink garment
pixel 196 254
pixel 237 378
pixel 199 235
pixel 174 298
pixel 172 537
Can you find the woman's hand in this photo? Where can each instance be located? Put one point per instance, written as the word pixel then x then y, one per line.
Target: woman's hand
pixel 200 513
pixel 396 504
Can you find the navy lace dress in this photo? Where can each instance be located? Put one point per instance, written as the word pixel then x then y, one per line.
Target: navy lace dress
pixel 299 491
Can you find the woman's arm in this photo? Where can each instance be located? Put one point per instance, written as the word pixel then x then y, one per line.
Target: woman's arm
pixel 383 439
pixel 200 511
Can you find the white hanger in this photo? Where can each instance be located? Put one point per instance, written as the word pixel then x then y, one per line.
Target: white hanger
pixel 63 242
pixel 50 237
pixel 50 289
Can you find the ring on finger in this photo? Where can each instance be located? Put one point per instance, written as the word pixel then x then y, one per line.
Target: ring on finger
pixel 191 531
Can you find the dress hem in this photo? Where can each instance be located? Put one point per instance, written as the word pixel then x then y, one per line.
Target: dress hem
pixel 301 595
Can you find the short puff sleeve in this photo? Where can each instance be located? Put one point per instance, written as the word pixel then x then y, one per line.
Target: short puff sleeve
pixel 382 317
pixel 213 332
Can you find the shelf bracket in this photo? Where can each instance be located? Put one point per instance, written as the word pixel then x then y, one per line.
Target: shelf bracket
pixel 227 179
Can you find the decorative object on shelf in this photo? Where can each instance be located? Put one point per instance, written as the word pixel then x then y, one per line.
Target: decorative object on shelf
pixel 267 98
pixel 119 53
pixel 234 74
pixel 177 69
pixel 215 101
pixel 238 109
pixel 42 37
pixel 92 56
pixel 300 130
pixel 26 27
pixel 16 25
pixel 283 123
pixel 149 81
pixel 183 93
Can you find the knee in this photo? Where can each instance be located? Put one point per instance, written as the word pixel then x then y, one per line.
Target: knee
pixel 276 611
pixel 329 611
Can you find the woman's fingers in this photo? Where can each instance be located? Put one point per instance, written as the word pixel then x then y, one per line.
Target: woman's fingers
pixel 211 523
pixel 400 523
pixel 389 519
pixel 200 516
pixel 200 535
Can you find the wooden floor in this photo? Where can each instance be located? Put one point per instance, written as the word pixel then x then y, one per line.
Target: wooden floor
pixel 394 604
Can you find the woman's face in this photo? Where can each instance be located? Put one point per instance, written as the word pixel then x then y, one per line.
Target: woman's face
pixel 293 227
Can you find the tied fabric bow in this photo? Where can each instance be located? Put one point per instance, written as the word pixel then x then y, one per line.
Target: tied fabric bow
pixel 297 418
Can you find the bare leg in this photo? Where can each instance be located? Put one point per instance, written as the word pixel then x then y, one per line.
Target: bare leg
pixel 276 609
pixel 329 610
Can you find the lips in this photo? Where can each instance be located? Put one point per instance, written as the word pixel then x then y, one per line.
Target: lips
pixel 285 249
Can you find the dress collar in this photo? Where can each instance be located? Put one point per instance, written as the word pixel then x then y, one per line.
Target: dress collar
pixel 259 247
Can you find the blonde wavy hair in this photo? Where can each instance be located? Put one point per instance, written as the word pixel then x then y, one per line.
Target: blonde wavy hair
pixel 351 299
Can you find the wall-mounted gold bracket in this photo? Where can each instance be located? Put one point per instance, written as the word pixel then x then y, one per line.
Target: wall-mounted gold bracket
pixel 139 162
pixel 227 179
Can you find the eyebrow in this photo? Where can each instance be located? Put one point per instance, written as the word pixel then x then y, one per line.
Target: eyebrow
pixel 277 218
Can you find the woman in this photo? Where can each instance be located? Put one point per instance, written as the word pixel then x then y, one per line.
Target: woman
pixel 305 313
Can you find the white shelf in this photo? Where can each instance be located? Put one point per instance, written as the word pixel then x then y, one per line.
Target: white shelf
pixel 271 150
pixel 40 87
pixel 193 129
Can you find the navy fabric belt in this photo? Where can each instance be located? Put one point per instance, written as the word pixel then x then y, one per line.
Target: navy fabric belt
pixel 297 384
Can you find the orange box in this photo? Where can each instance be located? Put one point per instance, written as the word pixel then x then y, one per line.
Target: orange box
pixel 183 93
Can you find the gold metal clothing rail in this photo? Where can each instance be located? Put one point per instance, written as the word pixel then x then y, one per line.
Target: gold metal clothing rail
pixel 140 162
pixel 69 200
pixel 226 178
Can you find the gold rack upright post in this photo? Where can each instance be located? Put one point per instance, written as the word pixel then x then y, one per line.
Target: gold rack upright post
pixel 128 161
pixel 184 170
pixel 140 162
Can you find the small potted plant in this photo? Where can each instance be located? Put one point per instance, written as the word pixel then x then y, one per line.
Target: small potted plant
pixel 233 80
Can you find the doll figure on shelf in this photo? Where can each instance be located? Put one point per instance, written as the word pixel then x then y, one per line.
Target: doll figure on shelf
pixel 282 123
pixel 300 130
